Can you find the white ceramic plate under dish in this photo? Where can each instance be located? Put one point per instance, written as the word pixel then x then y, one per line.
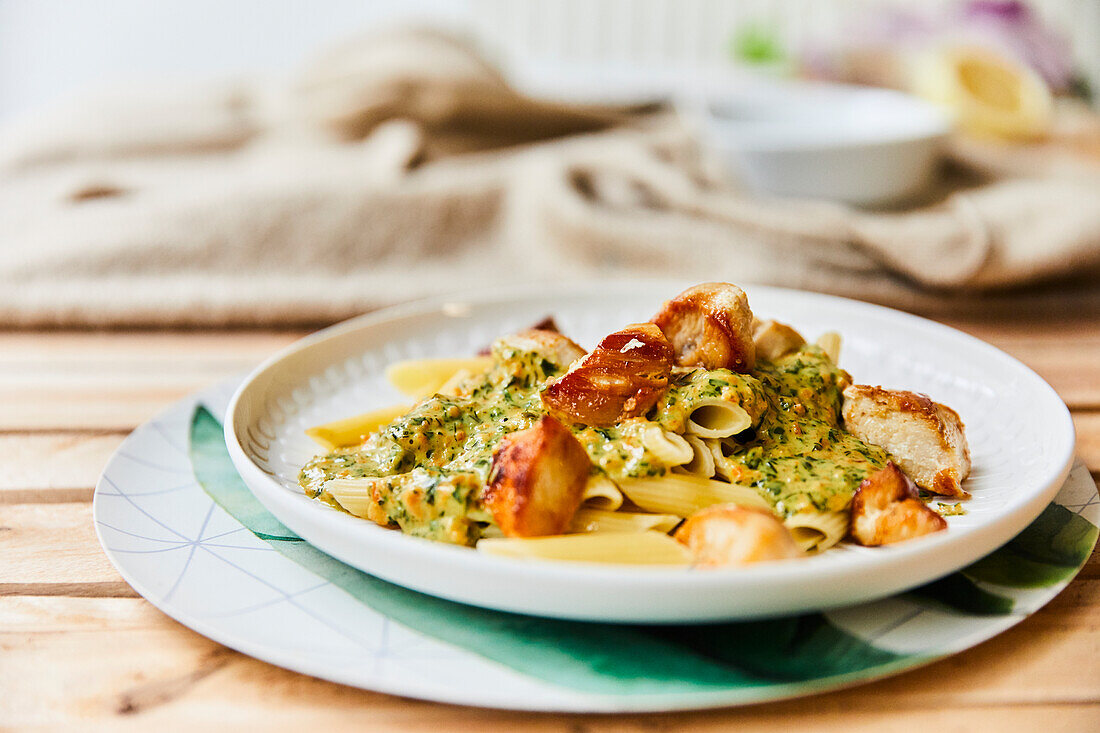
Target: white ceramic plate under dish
pixel 1020 433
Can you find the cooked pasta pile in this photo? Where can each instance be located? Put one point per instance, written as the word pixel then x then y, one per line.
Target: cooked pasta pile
pixel 703 437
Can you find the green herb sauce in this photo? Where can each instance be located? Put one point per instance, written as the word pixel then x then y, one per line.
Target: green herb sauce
pixel 798 456
pixel 432 463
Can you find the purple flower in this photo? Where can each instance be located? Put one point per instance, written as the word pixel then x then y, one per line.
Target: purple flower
pixel 1009 10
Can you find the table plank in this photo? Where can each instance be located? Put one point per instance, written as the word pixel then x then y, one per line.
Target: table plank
pixel 115 381
pixel 52 544
pixel 1022 326
pixel 112 347
pixel 53 467
pixel 1088 439
pixel 378 713
pixel 1062 348
pixel 125 660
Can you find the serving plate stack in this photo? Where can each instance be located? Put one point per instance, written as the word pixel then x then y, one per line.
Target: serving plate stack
pixel 231 562
pixel 339 372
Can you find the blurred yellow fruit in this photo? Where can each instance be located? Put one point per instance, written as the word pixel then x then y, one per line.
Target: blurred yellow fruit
pixel 992 95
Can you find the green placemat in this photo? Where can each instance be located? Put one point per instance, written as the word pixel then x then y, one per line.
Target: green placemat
pixel 623 659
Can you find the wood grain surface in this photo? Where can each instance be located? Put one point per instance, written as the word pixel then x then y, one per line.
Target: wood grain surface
pixel 78 648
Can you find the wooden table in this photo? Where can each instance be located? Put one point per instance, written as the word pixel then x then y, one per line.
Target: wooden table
pixel 77 645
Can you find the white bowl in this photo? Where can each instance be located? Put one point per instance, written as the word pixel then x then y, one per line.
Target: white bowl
pixel 1020 435
pixel 854 144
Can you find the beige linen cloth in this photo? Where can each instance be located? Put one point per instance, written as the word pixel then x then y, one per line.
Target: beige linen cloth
pixel 403 165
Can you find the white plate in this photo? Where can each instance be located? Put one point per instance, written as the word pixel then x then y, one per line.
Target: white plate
pixel 274 599
pixel 1021 438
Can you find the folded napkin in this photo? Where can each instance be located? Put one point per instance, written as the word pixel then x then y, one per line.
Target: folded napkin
pixel 404 165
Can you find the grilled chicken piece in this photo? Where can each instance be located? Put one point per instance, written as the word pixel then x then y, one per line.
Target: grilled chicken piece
pixel 773 339
pixel 710 325
pixel 728 534
pixel 924 437
pixel 886 508
pixel 552 346
pixel 537 480
pixel 546 324
pixel 622 377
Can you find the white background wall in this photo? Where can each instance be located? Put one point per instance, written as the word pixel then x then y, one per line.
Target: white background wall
pixel 50 48
pixel 53 48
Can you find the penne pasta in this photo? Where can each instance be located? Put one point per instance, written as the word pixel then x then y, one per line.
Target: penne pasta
pixel 684 495
pixel 598 520
pixel 491 531
pixel 354 495
pixel 716 418
pixel 453 386
pixel 702 462
pixel 817 531
pixel 735 417
pixel 642 548
pixel 669 448
pixel 422 377
pixel 601 493
pixel 830 344
pixel 354 430
pixel 723 467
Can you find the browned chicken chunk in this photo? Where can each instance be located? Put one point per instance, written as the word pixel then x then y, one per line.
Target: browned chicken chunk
pixel 924 437
pixel 773 339
pixel 552 346
pixel 886 508
pixel 622 377
pixel 546 324
pixel 537 480
pixel 710 325
pixel 728 534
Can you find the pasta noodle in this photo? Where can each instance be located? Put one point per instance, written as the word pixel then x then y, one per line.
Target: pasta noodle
pixel 358 496
pixel 702 463
pixel 642 548
pixel 684 495
pixel 723 467
pixel 817 531
pixel 607 452
pixel 353 430
pixel 669 448
pixel 716 418
pixel 598 520
pixel 453 386
pixel 354 495
pixel 601 493
pixel 422 377
pixel 830 344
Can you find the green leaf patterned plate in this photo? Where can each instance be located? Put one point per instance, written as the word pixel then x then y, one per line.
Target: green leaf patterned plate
pixel 180 525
